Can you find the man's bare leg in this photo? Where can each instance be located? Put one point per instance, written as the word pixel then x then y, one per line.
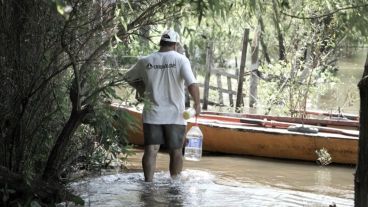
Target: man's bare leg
pixel 149 161
pixel 176 162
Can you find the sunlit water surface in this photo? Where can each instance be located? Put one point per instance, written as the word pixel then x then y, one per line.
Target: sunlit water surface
pixel 224 181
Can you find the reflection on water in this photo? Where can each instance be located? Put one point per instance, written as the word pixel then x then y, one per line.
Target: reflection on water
pixel 224 181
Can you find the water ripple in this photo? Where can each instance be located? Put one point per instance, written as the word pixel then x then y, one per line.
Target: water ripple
pixel 193 188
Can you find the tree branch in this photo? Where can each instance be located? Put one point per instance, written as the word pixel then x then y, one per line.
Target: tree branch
pixel 44 83
pixel 146 12
pixel 76 82
pixel 102 88
pixel 325 15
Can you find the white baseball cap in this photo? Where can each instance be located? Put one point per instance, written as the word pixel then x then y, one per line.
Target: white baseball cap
pixel 170 36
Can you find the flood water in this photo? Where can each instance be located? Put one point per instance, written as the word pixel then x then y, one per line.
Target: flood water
pixel 223 180
pixel 232 181
pixel 345 94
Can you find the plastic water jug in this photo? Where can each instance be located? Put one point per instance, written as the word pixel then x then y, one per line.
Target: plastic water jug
pixel 193 146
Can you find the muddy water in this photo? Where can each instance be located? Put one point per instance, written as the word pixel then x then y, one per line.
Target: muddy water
pixel 220 180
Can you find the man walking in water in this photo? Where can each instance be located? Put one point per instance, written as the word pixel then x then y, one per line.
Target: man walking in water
pixel 165 75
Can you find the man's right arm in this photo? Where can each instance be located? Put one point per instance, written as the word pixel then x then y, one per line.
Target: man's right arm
pixel 134 79
pixel 193 90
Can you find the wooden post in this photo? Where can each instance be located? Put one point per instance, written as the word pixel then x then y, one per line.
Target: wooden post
pixel 209 63
pixel 230 89
pixel 219 88
pixel 361 175
pixel 239 95
pixel 253 83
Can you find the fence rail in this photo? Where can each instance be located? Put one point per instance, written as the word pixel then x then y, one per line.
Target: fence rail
pixel 219 73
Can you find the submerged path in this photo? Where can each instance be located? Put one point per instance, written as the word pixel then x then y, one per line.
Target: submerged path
pixel 219 180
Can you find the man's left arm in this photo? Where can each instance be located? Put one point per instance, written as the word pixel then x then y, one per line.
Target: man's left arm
pixel 191 82
pixel 194 92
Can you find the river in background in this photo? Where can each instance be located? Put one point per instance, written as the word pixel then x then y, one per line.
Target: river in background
pixel 232 181
pixel 345 94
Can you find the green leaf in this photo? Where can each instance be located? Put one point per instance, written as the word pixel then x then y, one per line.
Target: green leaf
pixel 130 6
pixel 60 8
pixel 35 204
pixel 117 38
pixel 328 5
pixel 285 4
pixel 124 23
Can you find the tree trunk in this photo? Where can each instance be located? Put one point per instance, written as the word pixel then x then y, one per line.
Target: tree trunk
pixel 280 36
pixel 263 44
pixel 361 174
pixel 253 87
pixel 54 162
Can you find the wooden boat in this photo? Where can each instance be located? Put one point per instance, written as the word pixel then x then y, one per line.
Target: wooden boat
pixel 336 122
pixel 331 115
pixel 274 139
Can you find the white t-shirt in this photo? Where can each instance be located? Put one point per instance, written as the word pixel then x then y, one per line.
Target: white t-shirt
pixel 164 75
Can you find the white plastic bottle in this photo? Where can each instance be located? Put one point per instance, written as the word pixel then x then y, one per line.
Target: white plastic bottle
pixel 189 113
pixel 193 146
